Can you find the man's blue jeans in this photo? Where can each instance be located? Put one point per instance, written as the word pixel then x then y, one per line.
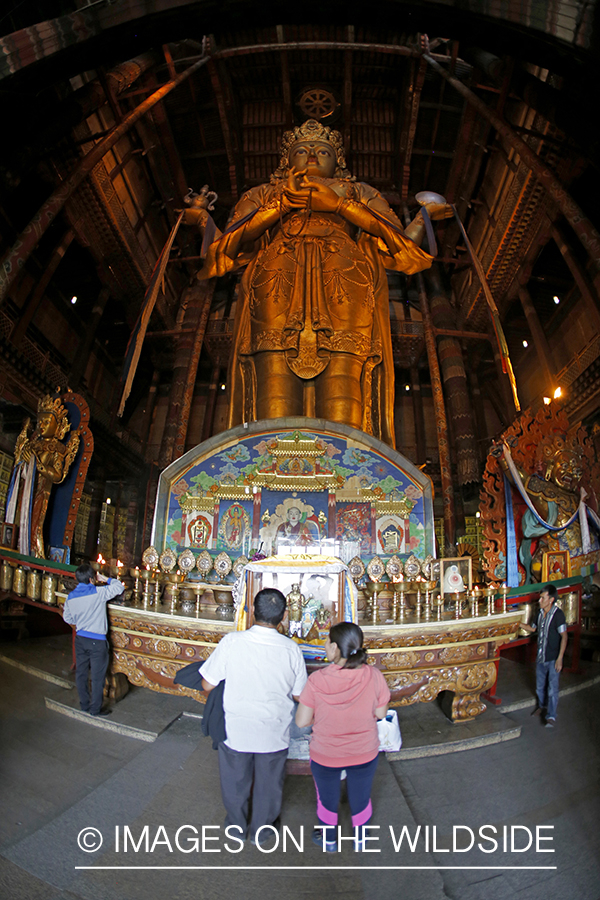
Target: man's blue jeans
pixel 546 687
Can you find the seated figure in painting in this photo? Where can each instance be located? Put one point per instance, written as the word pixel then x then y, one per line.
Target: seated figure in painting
pixel 296 531
pixel 41 461
pixel 313 333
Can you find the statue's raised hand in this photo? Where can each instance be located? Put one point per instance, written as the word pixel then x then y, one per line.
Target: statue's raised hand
pixel 438 211
pixel 323 198
pixel 296 196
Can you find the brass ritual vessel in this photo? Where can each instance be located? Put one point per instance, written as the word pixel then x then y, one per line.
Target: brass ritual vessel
pixel 175 578
pixel 224 599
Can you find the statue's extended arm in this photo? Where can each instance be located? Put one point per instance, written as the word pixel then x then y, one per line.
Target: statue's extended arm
pixel 50 464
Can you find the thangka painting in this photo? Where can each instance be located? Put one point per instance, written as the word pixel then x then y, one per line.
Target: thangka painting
pixel 300 486
pixel 353 523
pixel 551 462
pixel 292 523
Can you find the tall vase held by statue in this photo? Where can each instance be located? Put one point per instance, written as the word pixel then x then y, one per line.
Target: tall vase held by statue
pixel 313 333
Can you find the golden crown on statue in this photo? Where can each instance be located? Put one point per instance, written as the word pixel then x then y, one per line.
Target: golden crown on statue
pixel 53 405
pixel 311 130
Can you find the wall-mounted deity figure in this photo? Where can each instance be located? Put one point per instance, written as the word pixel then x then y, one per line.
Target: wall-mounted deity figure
pixel 313 332
pixel 42 459
pixel 555 466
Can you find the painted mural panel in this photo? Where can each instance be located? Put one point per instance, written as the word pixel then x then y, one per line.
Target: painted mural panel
pixel 290 491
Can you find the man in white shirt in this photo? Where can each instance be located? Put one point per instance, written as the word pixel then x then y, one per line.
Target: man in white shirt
pixel 264 673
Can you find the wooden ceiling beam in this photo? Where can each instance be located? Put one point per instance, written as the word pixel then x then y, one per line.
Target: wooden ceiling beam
pixel 231 139
pixel 198 117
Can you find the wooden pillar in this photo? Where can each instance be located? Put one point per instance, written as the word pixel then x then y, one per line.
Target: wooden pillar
pixel 455 383
pixel 539 339
pixel 417 401
pixel 131 549
pixel 83 353
pixel 117 499
pixel 211 403
pixel 91 541
pixel 588 294
pixel 187 354
pixel 149 411
pixel 441 422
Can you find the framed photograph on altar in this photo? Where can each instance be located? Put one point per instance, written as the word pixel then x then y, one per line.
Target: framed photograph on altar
pixel 556 564
pixel 58 554
pixel 456 575
pixel 8 535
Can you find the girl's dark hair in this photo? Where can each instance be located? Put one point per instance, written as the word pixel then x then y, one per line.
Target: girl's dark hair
pixel 349 639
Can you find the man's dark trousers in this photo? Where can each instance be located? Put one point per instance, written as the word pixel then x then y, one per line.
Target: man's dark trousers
pixel 259 774
pixel 91 654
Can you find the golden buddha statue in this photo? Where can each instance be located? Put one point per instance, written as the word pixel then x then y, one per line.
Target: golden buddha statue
pixel 313 332
pixel 41 460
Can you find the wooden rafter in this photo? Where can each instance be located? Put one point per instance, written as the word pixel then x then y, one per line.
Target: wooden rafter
pixel 231 140
pixel 409 127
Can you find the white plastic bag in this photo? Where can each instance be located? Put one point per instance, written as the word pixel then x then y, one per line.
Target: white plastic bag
pixel 390 738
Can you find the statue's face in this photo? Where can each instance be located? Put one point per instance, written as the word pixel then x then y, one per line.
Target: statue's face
pixel 567 471
pixel 293 515
pixel 46 425
pixel 316 157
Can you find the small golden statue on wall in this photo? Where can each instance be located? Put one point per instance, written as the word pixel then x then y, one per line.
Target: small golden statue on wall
pixel 42 460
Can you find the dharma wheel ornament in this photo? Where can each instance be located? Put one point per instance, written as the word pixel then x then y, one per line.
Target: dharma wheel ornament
pixel 167 560
pixel 223 565
pixel 356 567
pixel 376 569
pixel 187 561
pixel 394 567
pixel 412 567
pixel 204 562
pixel 427 568
pixel 150 557
pixel 239 566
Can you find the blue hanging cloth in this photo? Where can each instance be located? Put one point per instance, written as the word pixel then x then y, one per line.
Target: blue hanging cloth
pixel 512 563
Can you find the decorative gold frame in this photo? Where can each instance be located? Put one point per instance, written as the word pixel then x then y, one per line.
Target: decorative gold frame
pixel 465 567
pixel 559 557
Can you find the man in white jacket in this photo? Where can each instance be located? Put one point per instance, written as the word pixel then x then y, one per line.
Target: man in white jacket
pixel 85 608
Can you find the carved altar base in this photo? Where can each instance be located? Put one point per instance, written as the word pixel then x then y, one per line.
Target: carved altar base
pixel 455 659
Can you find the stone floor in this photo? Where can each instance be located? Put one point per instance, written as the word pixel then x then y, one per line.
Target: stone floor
pixel 63 776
